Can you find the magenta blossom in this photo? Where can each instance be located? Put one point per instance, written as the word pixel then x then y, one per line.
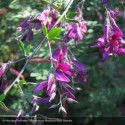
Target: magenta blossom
pixel 27 32
pixel 2 69
pixel 48 86
pixel 42 19
pixel 111 43
pixel 1 72
pixel 4 84
pixel 54 18
pixel 80 70
pixel 76 30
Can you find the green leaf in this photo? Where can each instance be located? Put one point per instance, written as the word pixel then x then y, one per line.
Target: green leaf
pixel 44 29
pixel 28 49
pixel 54 33
pixel 21 44
pixel 56 39
pixel 62 19
pixel 2 104
pixel 71 20
pixel 21 82
pixel 2 97
pixel 71 14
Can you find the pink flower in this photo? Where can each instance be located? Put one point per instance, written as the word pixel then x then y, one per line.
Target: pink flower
pixel 4 84
pixel 1 72
pixel 2 69
pixel 42 18
pixel 80 70
pixel 76 30
pixel 111 43
pixel 27 30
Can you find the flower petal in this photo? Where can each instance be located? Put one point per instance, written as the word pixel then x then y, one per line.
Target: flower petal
pixel 55 53
pixel 1 72
pixel 78 65
pixel 4 84
pixel 42 100
pixel 64 67
pixel 24 24
pixel 69 73
pixel 60 76
pixel 105 1
pixel 40 86
pixel 38 26
pixel 105 56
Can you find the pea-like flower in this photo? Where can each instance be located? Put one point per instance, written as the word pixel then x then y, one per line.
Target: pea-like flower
pixel 111 43
pixel 76 30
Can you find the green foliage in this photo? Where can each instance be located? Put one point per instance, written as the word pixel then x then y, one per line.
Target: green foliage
pixel 44 29
pixel 71 14
pixel 54 33
pixel 2 104
pixel 2 97
pixel 71 20
pixel 21 44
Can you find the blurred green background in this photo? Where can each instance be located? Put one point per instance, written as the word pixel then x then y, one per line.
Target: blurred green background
pixel 104 93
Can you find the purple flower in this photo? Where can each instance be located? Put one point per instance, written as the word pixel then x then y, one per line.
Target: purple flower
pixel 1 72
pixel 2 69
pixel 61 65
pixel 78 65
pixel 42 101
pixel 40 86
pixel 105 56
pixel 60 76
pixel 55 53
pixel 100 43
pixel 80 70
pixel 121 51
pixel 42 18
pixel 114 13
pixel 106 29
pixel 67 91
pixel 105 1
pixel 54 16
pixel 47 86
pixel 111 43
pixel 27 33
pixel 4 83
pixel 25 23
pixel 76 30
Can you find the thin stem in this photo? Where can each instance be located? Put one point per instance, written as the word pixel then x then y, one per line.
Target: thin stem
pixel 64 13
pixel 19 60
pixel 50 53
pixel 20 88
pixel 60 96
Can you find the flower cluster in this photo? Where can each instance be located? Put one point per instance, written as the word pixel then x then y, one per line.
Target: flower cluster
pixel 65 67
pixel 75 30
pixel 47 17
pixel 111 43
